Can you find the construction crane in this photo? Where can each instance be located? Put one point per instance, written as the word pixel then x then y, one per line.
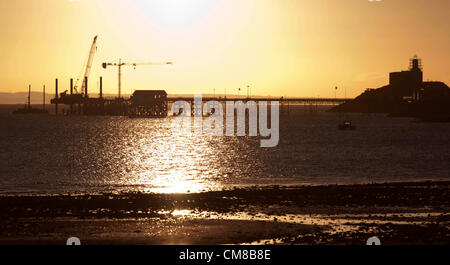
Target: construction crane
pixel 120 64
pixel 88 67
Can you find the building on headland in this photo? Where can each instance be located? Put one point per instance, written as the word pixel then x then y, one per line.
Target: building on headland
pixel 406 84
pixel 413 76
pixel 406 95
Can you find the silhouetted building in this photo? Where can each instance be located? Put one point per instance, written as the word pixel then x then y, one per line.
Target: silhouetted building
pixel 149 103
pixel 407 83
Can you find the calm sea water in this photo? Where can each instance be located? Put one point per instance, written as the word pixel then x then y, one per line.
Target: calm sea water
pixel 60 154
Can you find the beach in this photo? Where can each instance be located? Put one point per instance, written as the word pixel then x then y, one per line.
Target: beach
pixel 405 213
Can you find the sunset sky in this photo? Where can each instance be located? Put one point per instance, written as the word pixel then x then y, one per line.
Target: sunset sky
pixel 298 48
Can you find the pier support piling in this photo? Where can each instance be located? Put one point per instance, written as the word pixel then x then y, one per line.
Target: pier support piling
pixel 43 99
pixel 56 96
pixel 71 93
pixel 101 87
pixel 86 86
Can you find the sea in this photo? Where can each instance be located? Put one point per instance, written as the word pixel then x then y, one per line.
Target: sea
pixel 49 155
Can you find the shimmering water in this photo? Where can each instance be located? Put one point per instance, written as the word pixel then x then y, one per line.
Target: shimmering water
pixel 61 154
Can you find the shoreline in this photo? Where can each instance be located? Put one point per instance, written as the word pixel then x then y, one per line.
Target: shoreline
pixel 249 187
pixel 398 213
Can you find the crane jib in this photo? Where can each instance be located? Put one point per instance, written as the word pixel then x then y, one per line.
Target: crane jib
pixel 88 67
pixel 120 64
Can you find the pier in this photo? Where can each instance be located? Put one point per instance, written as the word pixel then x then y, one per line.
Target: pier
pixel 151 103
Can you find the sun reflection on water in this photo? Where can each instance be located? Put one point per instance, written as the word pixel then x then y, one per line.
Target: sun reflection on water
pixel 163 162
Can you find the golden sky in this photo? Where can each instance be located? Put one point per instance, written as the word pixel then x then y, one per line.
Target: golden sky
pixel 298 48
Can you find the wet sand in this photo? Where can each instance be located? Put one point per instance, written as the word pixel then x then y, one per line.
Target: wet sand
pixel 397 213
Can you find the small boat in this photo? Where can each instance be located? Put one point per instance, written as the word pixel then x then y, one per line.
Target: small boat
pixel 346 125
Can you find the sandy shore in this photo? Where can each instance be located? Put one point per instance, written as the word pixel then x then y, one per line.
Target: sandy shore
pixel 397 213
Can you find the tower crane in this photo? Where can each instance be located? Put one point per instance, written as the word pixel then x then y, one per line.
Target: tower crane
pixel 88 67
pixel 120 64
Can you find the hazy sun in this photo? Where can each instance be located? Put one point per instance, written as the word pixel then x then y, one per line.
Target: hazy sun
pixel 177 12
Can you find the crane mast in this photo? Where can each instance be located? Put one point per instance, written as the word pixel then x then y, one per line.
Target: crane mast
pixel 119 66
pixel 88 67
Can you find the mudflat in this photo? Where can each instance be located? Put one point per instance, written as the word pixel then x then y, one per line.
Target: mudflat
pixel 397 213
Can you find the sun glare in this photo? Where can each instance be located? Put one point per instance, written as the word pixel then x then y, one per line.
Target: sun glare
pixel 177 12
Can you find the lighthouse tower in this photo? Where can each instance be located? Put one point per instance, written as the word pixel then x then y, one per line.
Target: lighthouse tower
pixel 415 64
pixel 407 83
